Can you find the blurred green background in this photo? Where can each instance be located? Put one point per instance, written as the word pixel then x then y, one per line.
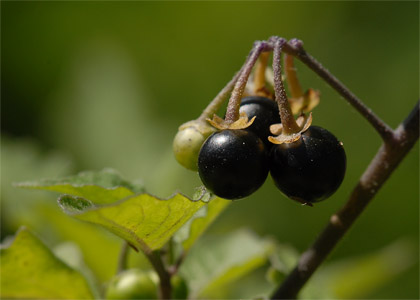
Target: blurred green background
pixel 89 85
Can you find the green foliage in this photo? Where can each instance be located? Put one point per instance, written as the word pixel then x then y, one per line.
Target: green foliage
pixel 216 267
pixel 71 254
pixel 23 159
pixel 219 260
pixel 90 238
pixel 144 221
pixel 147 223
pixel 30 270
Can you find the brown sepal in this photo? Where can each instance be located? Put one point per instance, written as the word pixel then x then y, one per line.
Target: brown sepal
pixel 241 123
pixel 303 121
pixel 306 103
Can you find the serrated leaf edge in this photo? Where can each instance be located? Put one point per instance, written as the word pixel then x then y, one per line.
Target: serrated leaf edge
pixel 33 185
pixel 98 206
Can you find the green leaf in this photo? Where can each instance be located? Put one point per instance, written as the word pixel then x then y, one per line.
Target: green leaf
pixel 201 220
pixel 217 261
pixel 71 254
pixel 101 187
pixel 144 221
pixel 23 159
pixel 90 238
pixel 30 270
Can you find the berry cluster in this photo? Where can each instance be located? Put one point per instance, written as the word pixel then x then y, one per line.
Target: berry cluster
pixel 234 155
pixel 233 163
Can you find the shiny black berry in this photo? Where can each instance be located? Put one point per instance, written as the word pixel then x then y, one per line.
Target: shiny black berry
pixel 233 163
pixel 310 169
pixel 266 112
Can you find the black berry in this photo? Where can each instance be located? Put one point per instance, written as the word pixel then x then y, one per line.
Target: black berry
pixel 266 112
pixel 310 169
pixel 233 163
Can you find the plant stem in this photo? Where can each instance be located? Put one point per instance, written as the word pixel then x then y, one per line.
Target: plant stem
pixel 170 255
pixel 122 258
pixel 165 287
pixel 295 47
pixel 388 157
pixel 286 115
pixel 232 113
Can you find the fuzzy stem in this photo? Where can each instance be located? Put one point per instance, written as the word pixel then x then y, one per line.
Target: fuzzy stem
pixel 295 47
pixel 232 113
pixel 215 104
pixel 259 75
pixel 291 77
pixel 388 157
pixel 286 115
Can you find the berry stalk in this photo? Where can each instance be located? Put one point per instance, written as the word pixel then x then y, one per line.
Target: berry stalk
pixel 232 113
pixel 288 121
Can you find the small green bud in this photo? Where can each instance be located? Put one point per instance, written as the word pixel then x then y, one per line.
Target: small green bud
pixel 132 284
pixel 188 141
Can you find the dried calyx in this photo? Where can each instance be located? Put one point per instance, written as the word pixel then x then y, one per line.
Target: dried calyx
pixel 240 123
pixel 281 136
pixel 305 103
pixel 299 102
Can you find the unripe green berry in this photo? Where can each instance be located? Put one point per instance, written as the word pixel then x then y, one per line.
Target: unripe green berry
pixel 179 287
pixel 132 284
pixel 188 141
